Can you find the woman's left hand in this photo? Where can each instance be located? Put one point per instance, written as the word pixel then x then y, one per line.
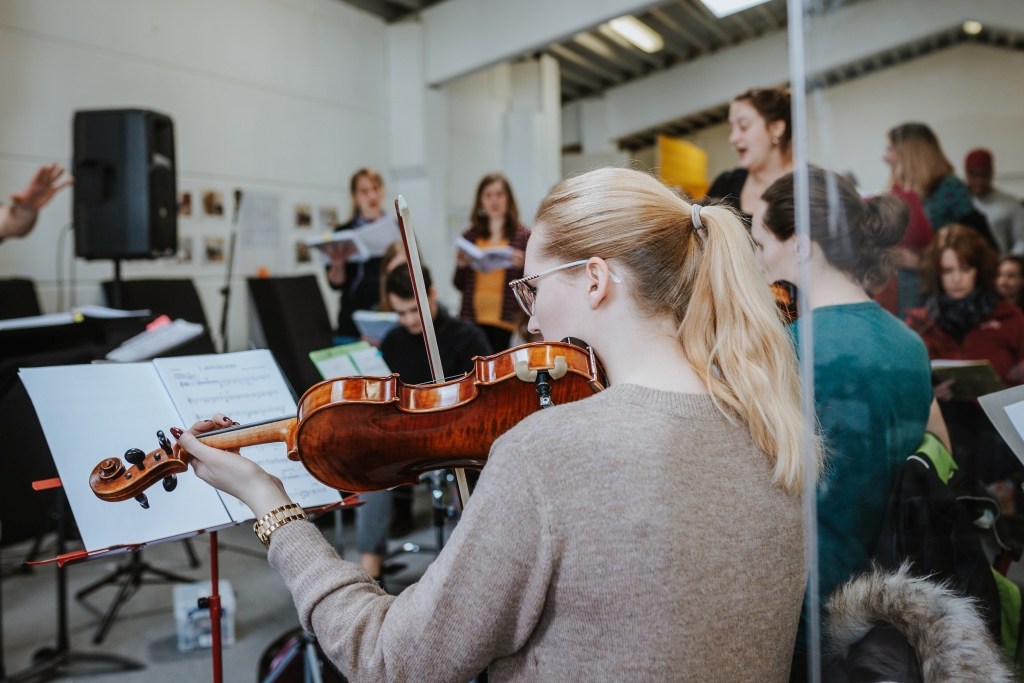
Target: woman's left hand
pixel 230 472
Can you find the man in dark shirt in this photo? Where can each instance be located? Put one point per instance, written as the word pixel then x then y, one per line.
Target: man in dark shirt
pixel 404 352
pixel 403 349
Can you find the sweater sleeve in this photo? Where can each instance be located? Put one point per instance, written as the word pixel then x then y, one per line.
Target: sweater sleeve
pixel 480 600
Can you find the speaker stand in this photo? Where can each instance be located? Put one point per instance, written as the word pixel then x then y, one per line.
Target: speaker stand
pixel 117 290
pixel 225 291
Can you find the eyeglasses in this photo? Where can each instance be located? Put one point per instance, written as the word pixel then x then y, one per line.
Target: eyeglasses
pixel 526 294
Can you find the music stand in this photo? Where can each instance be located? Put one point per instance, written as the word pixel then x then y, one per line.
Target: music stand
pixel 61 660
pixel 131 575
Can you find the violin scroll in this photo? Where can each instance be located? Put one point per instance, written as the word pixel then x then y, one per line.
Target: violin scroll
pixel 110 480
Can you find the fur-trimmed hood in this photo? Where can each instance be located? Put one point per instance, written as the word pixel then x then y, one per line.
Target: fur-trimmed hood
pixel 944 628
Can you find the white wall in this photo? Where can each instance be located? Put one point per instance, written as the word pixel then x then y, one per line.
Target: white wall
pixel 285 96
pixel 970 95
pixel 504 119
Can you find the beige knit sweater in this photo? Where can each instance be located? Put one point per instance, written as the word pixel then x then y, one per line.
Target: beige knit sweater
pixel 634 536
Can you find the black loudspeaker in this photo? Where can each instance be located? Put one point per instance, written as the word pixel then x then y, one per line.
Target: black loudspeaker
pixel 125 192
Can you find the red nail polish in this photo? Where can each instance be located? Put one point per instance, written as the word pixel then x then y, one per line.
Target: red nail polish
pixel 176 432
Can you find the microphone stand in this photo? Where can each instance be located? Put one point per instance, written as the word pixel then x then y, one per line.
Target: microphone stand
pixel 225 291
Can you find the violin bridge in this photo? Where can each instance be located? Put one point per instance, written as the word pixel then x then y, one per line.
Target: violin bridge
pixel 525 374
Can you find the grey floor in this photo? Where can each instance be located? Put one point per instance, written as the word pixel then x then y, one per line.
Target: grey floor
pixel 145 628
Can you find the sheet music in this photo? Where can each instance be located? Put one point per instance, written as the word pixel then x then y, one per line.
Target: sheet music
pixel 350 360
pixel 248 387
pixel 92 412
pixel 379 234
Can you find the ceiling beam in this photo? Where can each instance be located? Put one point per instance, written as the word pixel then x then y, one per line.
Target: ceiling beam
pixel 463 36
pixel 856 32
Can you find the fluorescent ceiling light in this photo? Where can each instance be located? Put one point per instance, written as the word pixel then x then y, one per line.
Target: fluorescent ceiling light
pixel 723 8
pixel 972 27
pixel 638 33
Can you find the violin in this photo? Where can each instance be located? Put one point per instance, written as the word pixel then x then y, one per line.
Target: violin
pixel 361 434
pixel 785 298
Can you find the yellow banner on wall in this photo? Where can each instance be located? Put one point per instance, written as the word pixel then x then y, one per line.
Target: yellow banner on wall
pixel 684 165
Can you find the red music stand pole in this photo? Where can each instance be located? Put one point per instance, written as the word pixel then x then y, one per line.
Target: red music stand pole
pixel 215 613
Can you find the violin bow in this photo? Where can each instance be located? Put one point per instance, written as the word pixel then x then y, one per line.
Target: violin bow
pixel 419 289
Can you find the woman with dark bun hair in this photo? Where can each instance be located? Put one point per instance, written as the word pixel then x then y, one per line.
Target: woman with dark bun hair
pixel 759 131
pixel 872 381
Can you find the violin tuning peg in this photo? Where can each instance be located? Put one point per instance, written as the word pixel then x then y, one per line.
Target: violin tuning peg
pixel 170 483
pixel 135 456
pixel 164 442
pixel 143 501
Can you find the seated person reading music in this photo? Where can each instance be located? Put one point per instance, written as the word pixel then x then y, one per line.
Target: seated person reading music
pixel 404 352
pixel 652 531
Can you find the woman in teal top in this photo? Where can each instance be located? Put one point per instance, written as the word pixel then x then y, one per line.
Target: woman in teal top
pixel 872 379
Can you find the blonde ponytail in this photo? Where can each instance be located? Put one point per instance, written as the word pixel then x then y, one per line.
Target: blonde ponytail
pixel 728 324
pixel 732 335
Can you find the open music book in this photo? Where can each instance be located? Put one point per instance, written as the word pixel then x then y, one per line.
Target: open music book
pixel 343 237
pixel 973 378
pixel 368 240
pixel 358 359
pixel 375 325
pixel 92 412
pixel 485 259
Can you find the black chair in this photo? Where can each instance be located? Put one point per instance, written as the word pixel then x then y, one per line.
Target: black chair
pixel 18 299
pixel 176 298
pixel 292 320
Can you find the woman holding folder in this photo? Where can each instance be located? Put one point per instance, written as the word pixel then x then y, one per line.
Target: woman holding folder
pixel 491 256
pixel 965 319
pixel 359 279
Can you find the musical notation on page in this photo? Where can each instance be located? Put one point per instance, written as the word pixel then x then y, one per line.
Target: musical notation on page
pixel 248 387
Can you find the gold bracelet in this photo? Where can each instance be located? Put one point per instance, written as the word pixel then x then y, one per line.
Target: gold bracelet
pixel 275 519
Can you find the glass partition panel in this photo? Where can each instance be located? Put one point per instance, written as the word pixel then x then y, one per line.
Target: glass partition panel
pixel 899 228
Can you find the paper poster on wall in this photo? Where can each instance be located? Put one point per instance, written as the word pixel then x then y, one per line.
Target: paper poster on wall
pixel 213 203
pixel 185 203
pixel 302 254
pixel 185 247
pixel 303 216
pixel 328 217
pixel 214 249
pixel 259 219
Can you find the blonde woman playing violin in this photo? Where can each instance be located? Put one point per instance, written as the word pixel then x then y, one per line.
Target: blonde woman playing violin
pixel 649 532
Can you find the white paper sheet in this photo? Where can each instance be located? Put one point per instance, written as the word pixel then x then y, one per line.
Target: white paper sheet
pixel 91 412
pixel 247 387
